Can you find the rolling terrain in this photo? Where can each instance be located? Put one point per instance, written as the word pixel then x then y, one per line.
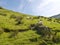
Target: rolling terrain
pixel 23 29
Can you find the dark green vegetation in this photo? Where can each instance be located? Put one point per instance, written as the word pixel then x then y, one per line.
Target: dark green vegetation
pixel 22 29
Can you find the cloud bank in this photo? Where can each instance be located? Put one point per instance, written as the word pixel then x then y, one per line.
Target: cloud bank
pixel 48 8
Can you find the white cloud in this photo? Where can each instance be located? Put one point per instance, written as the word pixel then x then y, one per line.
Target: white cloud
pixel 21 6
pixel 44 7
pixel 47 2
pixel 47 7
pixel 30 1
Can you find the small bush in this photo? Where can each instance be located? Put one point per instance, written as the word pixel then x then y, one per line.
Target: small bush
pixel 1 8
pixel 13 34
pixel 33 40
pixel 2 14
pixel 12 16
pixel 49 19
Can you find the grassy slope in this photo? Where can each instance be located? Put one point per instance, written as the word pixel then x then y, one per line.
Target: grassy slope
pixel 22 38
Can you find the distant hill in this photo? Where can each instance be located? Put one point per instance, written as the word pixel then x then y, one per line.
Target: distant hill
pixel 56 16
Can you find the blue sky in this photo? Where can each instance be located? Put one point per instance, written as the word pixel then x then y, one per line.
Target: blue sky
pixel 33 7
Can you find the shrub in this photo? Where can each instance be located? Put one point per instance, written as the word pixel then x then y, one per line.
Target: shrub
pixel 2 14
pixel 49 19
pixel 33 40
pixel 13 34
pixel 6 30
pixel 56 39
pixel 1 7
pixel 43 43
pixel 12 16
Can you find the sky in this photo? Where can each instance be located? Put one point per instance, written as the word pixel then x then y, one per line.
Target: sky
pixel 33 7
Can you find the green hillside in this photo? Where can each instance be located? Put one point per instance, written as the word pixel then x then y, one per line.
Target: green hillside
pixel 23 29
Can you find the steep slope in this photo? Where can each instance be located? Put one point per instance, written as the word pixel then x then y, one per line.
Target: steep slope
pixel 15 29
